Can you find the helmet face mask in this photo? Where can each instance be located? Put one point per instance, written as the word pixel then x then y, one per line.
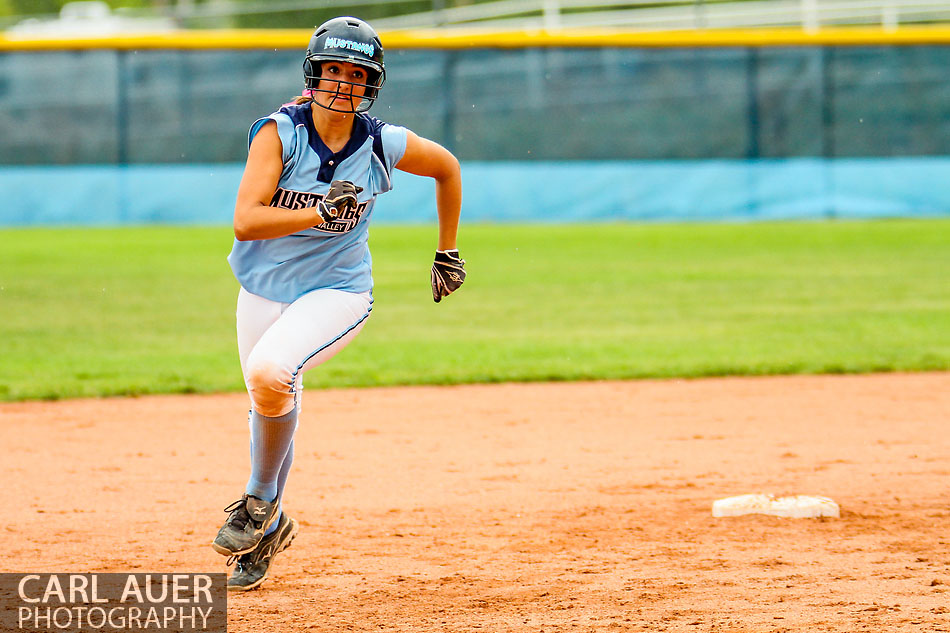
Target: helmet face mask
pixel 345 40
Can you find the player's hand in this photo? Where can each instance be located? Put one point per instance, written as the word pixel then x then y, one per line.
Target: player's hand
pixel 340 198
pixel 448 273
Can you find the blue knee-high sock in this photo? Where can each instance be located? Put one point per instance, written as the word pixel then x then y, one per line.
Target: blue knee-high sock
pixel 270 441
pixel 281 482
pixel 285 469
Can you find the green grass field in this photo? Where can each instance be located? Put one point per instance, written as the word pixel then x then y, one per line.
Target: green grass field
pixel 89 312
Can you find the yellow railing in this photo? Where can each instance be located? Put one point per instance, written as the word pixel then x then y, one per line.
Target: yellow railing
pixel 476 38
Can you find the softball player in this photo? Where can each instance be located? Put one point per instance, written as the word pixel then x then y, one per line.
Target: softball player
pixel 313 172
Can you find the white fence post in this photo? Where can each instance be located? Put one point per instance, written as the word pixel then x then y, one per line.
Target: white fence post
pixel 889 17
pixel 810 15
pixel 552 15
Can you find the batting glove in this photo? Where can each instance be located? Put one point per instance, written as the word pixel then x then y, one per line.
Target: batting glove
pixel 448 273
pixel 339 199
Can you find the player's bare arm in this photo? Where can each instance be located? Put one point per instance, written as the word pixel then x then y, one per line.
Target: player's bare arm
pixel 427 158
pixel 254 218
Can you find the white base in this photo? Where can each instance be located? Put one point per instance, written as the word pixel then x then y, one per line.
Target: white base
pixel 797 507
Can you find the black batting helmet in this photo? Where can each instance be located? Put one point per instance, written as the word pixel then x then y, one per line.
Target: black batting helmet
pixel 346 40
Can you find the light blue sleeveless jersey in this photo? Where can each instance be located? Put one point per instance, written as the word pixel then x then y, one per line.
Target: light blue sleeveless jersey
pixel 333 255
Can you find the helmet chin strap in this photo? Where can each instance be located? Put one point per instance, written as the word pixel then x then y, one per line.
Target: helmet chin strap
pixel 343 96
pixel 352 110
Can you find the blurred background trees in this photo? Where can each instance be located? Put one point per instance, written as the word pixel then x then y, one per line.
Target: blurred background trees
pixel 224 13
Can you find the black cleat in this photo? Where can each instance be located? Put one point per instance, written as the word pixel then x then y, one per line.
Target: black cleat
pixel 250 518
pixel 251 569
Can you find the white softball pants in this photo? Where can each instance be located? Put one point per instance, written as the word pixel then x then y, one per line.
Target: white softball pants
pixel 278 342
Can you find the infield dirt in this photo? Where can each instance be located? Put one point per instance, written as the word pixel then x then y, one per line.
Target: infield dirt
pixel 518 507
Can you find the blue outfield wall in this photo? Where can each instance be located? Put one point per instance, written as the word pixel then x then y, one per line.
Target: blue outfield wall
pixel 704 190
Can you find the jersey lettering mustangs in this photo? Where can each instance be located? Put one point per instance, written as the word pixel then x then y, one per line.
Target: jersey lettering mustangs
pixel 346 221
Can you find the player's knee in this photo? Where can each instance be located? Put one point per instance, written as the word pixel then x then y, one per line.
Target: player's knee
pixel 270 388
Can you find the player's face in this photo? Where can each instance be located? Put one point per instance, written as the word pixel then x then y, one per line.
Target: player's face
pixel 342 86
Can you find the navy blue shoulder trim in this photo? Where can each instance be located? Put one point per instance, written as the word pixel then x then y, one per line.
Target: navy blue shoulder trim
pixel 377 133
pixel 299 114
pixel 364 126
